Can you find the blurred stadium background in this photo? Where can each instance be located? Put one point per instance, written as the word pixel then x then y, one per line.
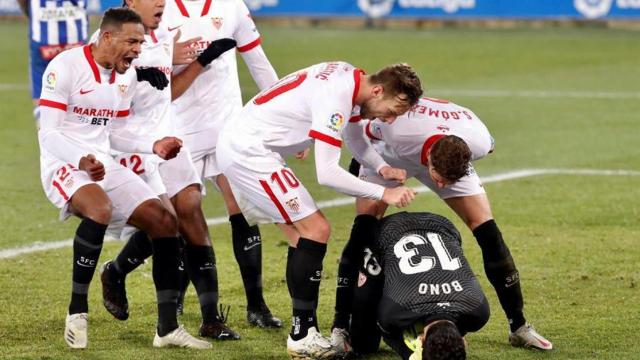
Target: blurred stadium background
pixel 556 81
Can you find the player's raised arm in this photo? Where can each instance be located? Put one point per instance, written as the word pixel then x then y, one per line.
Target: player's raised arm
pixel 249 47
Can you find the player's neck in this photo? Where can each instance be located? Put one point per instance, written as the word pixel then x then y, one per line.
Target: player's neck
pixel 101 56
pixel 364 93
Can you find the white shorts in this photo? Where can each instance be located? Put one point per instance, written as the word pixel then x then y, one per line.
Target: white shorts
pixel 178 173
pixel 125 190
pixel 266 190
pixel 467 185
pixel 146 166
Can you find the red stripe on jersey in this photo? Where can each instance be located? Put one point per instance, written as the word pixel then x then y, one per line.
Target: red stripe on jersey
pixel 153 36
pixel 356 88
pixel 249 46
pixel 436 100
pixel 92 62
pixel 182 8
pixel 324 137
pixel 426 148
pixel 53 104
pixel 277 203
pixel 112 77
pixel 64 194
pixel 205 8
pixel 367 130
pixel 122 113
pixel 355 118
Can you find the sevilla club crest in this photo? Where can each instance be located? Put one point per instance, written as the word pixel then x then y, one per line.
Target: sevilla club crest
pixel 217 22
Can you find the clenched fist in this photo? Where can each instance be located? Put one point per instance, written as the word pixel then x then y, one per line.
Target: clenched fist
pixel 398 197
pixel 389 173
pixel 93 167
pixel 168 147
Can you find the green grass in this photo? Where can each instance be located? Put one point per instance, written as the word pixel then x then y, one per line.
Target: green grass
pixel 574 237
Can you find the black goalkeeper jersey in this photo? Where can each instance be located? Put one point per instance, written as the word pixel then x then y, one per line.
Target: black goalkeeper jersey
pixel 426 276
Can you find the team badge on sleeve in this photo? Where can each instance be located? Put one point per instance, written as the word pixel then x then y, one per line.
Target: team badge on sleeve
pixel 50 82
pixel 336 121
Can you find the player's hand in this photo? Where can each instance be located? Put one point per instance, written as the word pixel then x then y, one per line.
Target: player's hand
pixel 184 52
pixel 214 50
pixel 303 154
pixel 398 197
pixel 92 167
pixel 389 173
pixel 168 147
pixel 154 76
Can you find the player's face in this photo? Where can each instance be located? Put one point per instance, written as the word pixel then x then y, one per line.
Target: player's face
pixel 383 107
pixel 125 46
pixel 149 10
pixel 438 179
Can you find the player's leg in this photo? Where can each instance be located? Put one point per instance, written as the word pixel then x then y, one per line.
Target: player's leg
pixel 364 333
pixel 247 248
pixel 92 204
pixel 499 266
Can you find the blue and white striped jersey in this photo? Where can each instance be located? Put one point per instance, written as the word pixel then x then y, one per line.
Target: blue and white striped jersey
pixel 57 23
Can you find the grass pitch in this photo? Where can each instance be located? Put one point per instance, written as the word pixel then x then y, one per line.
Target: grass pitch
pixel 553 98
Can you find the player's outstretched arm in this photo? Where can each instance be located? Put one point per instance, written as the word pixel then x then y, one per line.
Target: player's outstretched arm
pixel 260 68
pixel 361 147
pixel 329 173
pixel 180 82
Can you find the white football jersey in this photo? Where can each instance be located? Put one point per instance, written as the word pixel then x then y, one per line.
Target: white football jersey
pixel 92 97
pixel 312 104
pixel 151 112
pixel 410 137
pixel 215 95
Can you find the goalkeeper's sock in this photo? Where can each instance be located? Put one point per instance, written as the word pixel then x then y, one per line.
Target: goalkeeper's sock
pixel 501 271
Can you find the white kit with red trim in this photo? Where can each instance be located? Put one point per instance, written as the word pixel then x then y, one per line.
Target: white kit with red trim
pixel 406 143
pixel 80 101
pixel 89 98
pixel 309 106
pixel 215 95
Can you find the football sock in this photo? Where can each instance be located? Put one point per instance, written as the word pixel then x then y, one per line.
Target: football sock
pixel 501 272
pixel 184 274
pixel 362 234
pixel 247 248
pixel 290 252
pixel 305 274
pixel 201 266
pixel 167 282
pixel 87 246
pixel 133 253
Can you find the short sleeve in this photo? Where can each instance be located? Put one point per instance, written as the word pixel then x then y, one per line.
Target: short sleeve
pixel 246 34
pixel 56 84
pixel 330 114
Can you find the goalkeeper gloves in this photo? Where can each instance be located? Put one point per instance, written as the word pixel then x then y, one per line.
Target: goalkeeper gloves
pixel 154 76
pixel 214 50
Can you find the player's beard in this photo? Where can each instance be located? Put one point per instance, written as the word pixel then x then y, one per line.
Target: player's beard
pixel 365 112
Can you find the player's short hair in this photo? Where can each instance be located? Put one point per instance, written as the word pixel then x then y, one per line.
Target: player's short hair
pixel 443 342
pixel 450 157
pixel 114 18
pixel 399 79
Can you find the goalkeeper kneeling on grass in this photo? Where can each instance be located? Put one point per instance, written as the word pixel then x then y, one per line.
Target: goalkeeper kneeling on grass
pixel 416 290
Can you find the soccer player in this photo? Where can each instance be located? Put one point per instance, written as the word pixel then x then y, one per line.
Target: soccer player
pixel 175 181
pixel 53 27
pixel 205 107
pixel 417 285
pixel 86 90
pixel 306 106
pixel 435 142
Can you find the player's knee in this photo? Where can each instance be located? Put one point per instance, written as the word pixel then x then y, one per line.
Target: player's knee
pixel 188 200
pixel 322 231
pixel 167 224
pixel 100 212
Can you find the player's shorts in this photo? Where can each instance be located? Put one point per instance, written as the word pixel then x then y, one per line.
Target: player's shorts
pixel 467 185
pixel 146 166
pixel 265 188
pixel 125 190
pixel 203 154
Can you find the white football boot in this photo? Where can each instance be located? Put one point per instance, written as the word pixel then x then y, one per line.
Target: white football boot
pixel 313 346
pixel 180 338
pixel 340 342
pixel 75 330
pixel 526 336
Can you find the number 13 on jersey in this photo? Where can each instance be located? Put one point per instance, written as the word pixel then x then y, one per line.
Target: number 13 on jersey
pixel 406 250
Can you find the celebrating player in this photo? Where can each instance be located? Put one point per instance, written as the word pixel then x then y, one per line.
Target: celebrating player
pixel 53 27
pixel 435 142
pixel 311 104
pixel 85 90
pixel 175 181
pixel 418 286
pixel 205 107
